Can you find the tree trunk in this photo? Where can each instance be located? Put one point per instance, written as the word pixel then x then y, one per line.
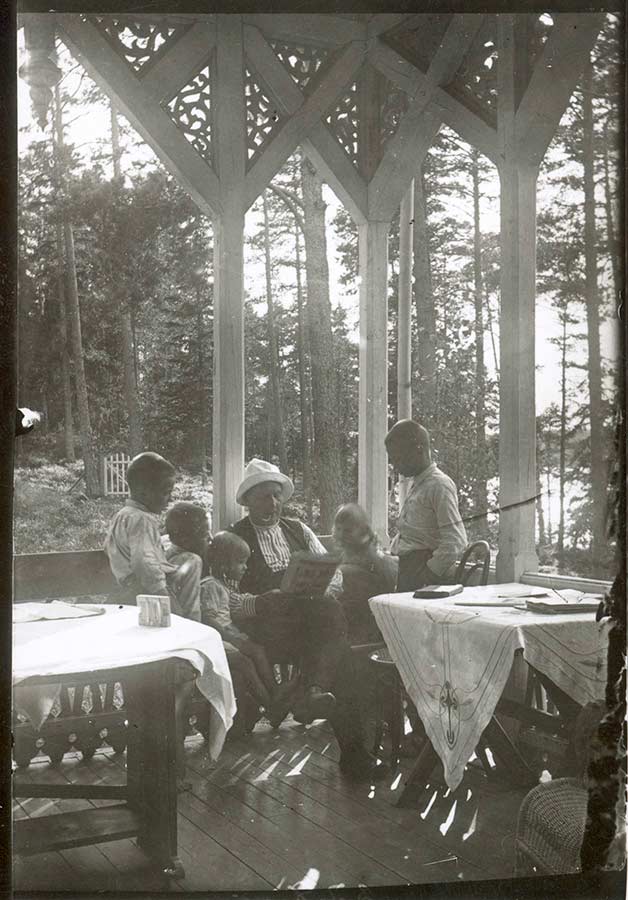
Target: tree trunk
pixel 611 240
pixel 304 386
pixel 203 402
pixel 598 452
pixel 426 404
pixel 90 460
pixel 540 517
pixel 562 447
pixel 275 383
pixel 489 315
pixel 131 394
pixel 326 443
pixel 68 428
pixel 479 489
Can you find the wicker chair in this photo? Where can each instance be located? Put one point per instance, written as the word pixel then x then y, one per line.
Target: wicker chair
pixel 550 828
pixel 553 815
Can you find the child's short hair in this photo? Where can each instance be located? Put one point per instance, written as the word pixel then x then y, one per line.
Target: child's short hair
pixel 353 512
pixel 182 520
pixel 225 549
pixel 147 468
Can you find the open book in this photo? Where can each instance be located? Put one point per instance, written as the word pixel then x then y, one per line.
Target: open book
pixel 566 601
pixel 308 574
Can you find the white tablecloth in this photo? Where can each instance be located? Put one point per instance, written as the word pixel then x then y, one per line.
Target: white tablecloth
pixel 113 640
pixel 454 661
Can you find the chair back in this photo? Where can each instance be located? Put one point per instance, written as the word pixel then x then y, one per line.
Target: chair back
pixel 476 558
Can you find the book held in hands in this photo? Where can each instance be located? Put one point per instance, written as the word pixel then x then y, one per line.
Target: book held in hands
pixel 308 574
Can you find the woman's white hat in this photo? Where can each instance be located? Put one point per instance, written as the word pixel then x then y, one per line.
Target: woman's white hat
pixel 258 471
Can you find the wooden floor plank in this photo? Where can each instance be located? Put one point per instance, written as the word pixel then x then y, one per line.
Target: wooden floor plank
pixel 297 840
pixel 274 806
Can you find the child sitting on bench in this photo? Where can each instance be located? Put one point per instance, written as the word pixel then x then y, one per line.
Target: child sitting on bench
pixel 225 557
pixel 139 564
pixel 133 544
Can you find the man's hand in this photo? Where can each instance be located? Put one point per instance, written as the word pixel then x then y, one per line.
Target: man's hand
pixel 272 603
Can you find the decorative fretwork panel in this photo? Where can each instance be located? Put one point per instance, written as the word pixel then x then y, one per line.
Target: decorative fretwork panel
pixel 343 122
pixel 262 118
pixel 190 109
pixel 419 42
pixel 475 82
pixel 140 44
pixel 302 62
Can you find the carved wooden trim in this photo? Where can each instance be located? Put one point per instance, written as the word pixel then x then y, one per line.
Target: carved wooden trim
pixel 141 108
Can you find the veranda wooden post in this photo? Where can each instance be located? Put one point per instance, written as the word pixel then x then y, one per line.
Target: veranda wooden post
pixel 404 314
pixel 230 145
pixel 373 360
pixel 517 416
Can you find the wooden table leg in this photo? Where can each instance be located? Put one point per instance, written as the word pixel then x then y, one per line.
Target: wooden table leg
pixel 151 761
pixel 421 771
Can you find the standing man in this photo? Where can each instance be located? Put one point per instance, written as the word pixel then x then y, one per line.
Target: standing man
pixel 431 535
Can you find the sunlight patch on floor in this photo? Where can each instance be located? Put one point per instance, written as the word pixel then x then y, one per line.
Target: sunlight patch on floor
pixel 444 828
pixel 299 766
pixel 426 811
pixel 472 827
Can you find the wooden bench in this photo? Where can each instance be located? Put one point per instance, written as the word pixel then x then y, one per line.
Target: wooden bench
pixel 86 715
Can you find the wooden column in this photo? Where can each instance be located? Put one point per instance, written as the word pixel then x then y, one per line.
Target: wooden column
pixel 373 402
pixel 517 429
pixel 404 314
pixel 230 146
pixel 404 310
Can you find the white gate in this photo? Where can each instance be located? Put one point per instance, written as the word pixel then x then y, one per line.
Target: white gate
pixel 115 467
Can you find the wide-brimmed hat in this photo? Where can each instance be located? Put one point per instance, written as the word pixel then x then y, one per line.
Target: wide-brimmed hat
pixel 258 471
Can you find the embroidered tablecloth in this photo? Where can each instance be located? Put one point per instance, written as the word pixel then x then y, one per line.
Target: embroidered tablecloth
pixel 113 640
pixel 454 660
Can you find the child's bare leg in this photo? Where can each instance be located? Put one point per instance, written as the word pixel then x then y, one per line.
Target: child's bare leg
pixel 257 655
pixel 245 667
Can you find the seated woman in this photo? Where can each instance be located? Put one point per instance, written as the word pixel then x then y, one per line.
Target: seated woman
pixel 310 631
pixel 366 572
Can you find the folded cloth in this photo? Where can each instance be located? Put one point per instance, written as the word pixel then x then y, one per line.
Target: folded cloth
pixel 57 609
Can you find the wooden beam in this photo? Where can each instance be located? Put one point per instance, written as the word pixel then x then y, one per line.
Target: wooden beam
pixel 383 22
pixel 517 417
pixel 320 147
pixel 132 98
pixel 230 144
pixel 401 160
pixel 553 81
pixel 467 124
pixel 337 170
pixel 306 118
pixel 373 386
pixel 188 55
pixel 319 29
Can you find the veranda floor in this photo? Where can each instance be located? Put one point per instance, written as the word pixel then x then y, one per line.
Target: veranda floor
pixel 273 810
